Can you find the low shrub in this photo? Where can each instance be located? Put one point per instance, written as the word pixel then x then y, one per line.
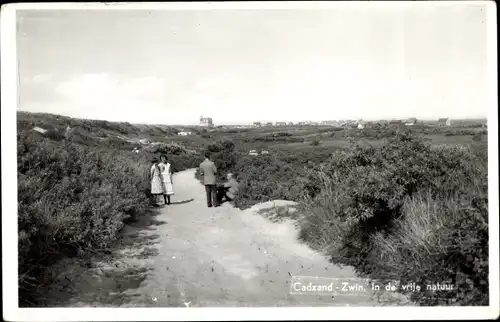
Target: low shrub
pixel 72 198
pixel 315 142
pixel 378 209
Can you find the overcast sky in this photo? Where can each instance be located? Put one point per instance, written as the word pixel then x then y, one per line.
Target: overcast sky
pixel 171 67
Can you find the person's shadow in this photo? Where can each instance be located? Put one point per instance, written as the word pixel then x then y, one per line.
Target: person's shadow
pixel 182 202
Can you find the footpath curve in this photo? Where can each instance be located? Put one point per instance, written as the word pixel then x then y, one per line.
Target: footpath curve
pixel 197 256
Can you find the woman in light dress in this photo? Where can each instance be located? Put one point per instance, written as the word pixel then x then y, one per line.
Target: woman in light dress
pixel 166 171
pixel 157 186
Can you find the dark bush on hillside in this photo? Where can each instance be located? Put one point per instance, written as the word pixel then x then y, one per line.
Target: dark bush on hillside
pixel 55 135
pixel 275 137
pixel 406 211
pixel 110 142
pixel 281 134
pixel 71 198
pixel 267 177
pixel 295 139
pixel 25 125
pixel 167 148
pixel 223 154
pixel 315 142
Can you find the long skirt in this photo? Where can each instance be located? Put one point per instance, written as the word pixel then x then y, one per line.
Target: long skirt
pixel 157 186
pixel 168 188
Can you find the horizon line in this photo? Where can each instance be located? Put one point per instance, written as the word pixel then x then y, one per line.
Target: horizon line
pixel 250 122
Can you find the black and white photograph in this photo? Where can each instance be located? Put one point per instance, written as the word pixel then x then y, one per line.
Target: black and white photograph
pixel 250 160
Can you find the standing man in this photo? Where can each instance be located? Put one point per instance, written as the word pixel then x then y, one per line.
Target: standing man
pixel 208 170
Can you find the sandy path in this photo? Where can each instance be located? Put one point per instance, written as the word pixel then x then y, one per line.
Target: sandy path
pixel 223 256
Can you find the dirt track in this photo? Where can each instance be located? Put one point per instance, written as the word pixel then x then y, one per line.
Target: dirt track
pixel 190 255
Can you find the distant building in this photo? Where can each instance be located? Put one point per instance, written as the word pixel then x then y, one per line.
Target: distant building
pixel 444 121
pixel 313 123
pixel 360 124
pixel 280 123
pixel 290 123
pixel 269 124
pixel 302 123
pixel 253 152
pixel 183 133
pixel 395 122
pixel 257 124
pixel 39 130
pixel 264 152
pixel 144 141
pixel 411 121
pixel 206 121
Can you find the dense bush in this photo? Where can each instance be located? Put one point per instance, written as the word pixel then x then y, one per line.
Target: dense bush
pixel 224 155
pixel 315 142
pixel 407 211
pixel 71 197
pixel 265 178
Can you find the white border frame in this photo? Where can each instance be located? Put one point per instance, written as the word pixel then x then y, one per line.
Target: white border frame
pixel 9 195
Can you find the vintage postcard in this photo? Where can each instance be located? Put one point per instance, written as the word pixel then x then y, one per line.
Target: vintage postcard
pixel 250 161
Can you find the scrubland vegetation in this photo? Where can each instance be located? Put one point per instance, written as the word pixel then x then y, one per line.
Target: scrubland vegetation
pixel 74 194
pixel 402 210
pixel 398 206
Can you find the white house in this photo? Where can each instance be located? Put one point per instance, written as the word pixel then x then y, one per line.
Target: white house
pixel 184 133
pixel 264 152
pixel 411 121
pixel 253 152
pixel 39 130
pixel 144 141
